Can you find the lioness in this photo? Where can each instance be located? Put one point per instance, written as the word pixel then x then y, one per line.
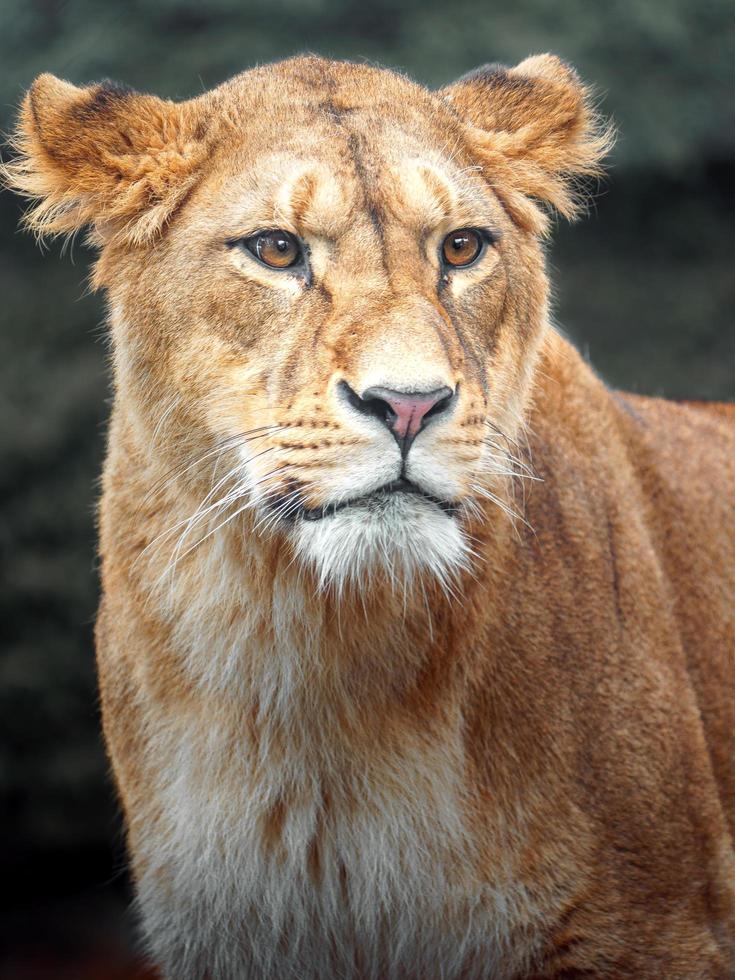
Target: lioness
pixel 417 643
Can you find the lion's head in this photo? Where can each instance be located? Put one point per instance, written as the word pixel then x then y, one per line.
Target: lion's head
pixel 326 287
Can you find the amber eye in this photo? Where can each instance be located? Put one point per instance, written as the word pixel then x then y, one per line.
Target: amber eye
pixel 278 249
pixel 461 247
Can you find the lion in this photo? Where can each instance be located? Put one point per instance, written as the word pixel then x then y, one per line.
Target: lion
pixel 417 642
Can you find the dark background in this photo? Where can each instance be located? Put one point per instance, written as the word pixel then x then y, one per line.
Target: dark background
pixel 645 285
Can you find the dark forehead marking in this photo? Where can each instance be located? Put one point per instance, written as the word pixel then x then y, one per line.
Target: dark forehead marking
pixel 336 113
pixel 374 210
pixel 339 115
pixel 356 144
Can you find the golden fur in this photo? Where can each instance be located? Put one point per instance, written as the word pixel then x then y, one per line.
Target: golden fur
pixel 492 739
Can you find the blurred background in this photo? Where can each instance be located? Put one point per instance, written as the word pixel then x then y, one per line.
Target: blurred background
pixel 644 285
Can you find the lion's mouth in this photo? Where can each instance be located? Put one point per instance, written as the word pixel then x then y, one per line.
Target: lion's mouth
pixel 399 486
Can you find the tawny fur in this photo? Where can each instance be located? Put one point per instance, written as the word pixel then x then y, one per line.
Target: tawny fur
pixel 402 741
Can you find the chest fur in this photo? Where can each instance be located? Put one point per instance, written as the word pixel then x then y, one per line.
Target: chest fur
pixel 290 871
pixel 303 821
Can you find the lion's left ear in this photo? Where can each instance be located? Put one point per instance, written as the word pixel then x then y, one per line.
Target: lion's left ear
pixel 535 131
pixel 103 156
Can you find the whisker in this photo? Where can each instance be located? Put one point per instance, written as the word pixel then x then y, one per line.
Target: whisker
pixel 506 508
pixel 236 494
pixel 506 454
pixel 164 416
pixel 209 534
pixel 290 504
pixel 222 446
pixel 500 471
pixel 202 511
pixel 198 513
pixel 251 503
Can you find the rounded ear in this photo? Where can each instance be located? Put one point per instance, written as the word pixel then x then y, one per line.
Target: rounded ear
pixel 535 130
pixel 103 155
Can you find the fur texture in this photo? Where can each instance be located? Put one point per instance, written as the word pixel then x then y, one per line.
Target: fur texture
pixel 481 728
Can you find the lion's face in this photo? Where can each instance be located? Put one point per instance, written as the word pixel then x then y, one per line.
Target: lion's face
pixel 355 383
pixel 336 321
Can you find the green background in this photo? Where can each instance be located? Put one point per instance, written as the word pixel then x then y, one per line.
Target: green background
pixel 644 285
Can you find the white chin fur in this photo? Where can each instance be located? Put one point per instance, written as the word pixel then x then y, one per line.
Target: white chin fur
pixel 399 535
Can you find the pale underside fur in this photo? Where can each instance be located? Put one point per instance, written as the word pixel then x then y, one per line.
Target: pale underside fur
pixel 382 833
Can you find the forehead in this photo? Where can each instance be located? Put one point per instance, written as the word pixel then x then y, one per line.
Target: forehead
pixel 319 147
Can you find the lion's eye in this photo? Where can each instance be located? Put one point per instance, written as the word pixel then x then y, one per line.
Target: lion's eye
pixel 277 249
pixel 462 247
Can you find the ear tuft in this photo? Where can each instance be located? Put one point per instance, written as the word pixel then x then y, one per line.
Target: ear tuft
pixel 537 133
pixel 105 156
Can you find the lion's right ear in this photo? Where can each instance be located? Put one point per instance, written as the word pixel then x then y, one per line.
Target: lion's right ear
pixel 536 132
pixel 104 156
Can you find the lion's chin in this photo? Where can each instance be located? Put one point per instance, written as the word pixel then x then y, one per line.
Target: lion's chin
pixel 394 537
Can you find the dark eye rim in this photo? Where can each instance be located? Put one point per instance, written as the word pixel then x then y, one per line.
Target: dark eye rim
pixel 487 239
pixel 248 243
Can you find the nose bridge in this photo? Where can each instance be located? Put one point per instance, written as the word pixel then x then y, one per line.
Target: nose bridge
pixel 406 347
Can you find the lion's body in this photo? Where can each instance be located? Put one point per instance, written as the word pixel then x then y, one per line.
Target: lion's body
pixel 514 760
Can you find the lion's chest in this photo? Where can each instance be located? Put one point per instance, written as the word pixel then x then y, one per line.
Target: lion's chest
pixel 289 871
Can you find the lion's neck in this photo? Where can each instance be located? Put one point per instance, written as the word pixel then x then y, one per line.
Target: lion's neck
pixel 254 622
pixel 247 629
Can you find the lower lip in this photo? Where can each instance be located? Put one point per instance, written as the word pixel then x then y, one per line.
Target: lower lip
pixel 398 486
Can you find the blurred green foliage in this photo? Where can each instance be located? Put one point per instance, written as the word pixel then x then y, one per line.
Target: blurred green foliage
pixel 645 284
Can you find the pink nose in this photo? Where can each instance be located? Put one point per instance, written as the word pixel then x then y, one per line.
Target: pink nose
pixel 405 413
